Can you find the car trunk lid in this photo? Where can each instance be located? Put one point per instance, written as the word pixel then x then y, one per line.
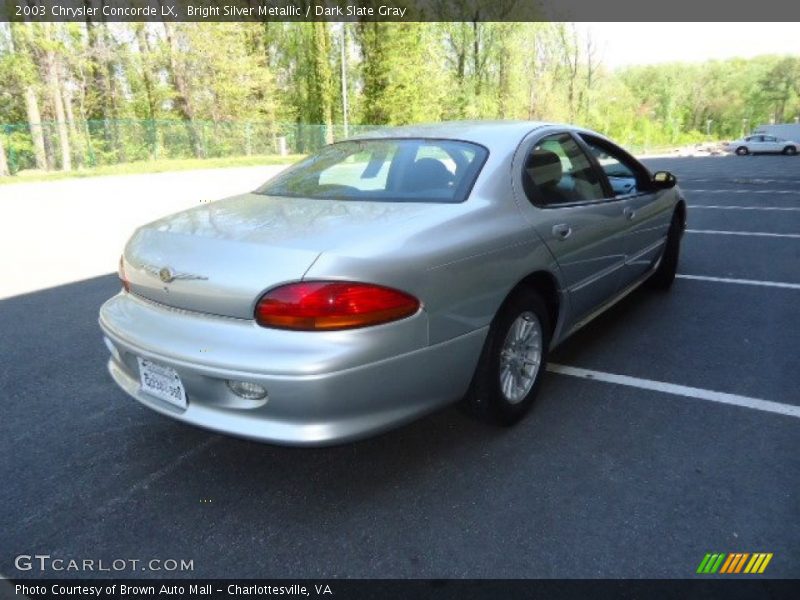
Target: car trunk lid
pixel 221 257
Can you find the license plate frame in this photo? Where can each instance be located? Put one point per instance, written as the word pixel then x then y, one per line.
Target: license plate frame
pixel 162 382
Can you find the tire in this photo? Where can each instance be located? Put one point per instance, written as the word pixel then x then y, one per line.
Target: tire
pixel 790 150
pixel 742 151
pixel 664 275
pixel 500 392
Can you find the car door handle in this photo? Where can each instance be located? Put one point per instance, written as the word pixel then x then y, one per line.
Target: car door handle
pixel 562 231
pixel 629 213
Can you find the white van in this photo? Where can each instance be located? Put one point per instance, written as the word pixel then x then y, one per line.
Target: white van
pixel 787 131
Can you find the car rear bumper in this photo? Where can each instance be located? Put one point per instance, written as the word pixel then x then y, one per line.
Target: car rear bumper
pixel 322 388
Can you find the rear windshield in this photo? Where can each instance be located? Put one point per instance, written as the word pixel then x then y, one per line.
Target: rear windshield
pixel 384 170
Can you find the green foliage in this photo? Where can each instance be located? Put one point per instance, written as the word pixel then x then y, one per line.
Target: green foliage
pixel 402 83
pixel 167 139
pixel 158 166
pixel 151 91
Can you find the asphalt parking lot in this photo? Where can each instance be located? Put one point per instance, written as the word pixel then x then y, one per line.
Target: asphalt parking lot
pixel 697 451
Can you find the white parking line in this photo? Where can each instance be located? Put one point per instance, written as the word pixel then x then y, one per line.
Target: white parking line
pixel 737 180
pixel 740 191
pixel 731 207
pixel 777 284
pixel 745 233
pixel 779 408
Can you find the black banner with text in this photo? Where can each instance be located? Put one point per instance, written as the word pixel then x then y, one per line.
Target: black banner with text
pixel 401 11
pixel 354 589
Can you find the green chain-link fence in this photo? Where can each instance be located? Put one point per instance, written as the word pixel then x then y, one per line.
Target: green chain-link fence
pixel 107 142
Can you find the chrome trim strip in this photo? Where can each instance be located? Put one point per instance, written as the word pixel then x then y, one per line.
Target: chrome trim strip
pixel 609 303
pixel 641 253
pixel 597 276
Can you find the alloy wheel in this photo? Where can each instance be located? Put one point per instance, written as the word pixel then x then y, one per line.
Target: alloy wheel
pixel 520 357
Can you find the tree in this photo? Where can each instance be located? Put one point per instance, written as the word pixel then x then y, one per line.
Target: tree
pixel 781 83
pixel 3 161
pixel 591 70
pixel 247 83
pixel 180 81
pixel 477 52
pixel 322 78
pixel 570 55
pixel 52 66
pixel 102 97
pixel 70 61
pixel 27 79
pixel 401 74
pixel 146 66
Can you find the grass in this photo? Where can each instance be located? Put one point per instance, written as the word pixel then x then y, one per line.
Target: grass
pixel 153 166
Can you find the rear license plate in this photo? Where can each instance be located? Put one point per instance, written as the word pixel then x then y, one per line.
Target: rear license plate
pixel 162 382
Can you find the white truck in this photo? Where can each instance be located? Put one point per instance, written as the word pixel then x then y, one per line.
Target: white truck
pixel 787 131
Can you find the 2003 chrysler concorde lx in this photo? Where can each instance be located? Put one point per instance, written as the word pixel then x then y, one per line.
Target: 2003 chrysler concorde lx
pixel 385 276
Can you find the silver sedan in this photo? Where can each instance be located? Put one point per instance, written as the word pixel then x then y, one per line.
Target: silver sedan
pixel 387 276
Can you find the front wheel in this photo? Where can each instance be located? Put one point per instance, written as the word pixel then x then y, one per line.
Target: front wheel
pixel 512 362
pixel 664 275
pixel 742 151
pixel 790 150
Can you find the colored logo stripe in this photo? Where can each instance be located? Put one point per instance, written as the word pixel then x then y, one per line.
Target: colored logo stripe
pixel 710 563
pixel 758 563
pixel 734 562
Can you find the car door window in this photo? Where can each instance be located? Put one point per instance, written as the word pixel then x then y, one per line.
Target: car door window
pixel 771 143
pixel 557 171
pixel 625 176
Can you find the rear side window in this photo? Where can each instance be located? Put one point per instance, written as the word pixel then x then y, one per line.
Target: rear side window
pixel 557 171
pixel 365 171
pixel 384 170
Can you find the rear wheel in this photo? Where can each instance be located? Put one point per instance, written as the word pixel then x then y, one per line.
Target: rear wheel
pixel 510 369
pixel 664 275
pixel 742 150
pixel 790 150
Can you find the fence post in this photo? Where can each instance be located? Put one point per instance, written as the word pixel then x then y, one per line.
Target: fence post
pixel 4 170
pixel 299 137
pixel 248 149
pixel 87 132
pixel 153 134
pixel 13 165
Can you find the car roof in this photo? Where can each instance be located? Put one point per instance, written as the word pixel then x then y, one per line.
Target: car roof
pixel 495 135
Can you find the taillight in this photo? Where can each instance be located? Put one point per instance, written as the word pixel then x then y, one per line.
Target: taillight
pixel 122 277
pixel 332 305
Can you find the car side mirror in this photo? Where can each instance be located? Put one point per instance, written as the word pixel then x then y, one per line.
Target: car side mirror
pixel 664 180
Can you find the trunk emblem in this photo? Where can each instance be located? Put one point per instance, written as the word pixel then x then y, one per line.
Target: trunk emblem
pixel 167 274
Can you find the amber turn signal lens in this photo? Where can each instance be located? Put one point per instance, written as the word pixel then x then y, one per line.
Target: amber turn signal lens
pixel 122 277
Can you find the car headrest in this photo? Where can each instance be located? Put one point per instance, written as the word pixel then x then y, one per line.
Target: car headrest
pixel 429 173
pixel 544 168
